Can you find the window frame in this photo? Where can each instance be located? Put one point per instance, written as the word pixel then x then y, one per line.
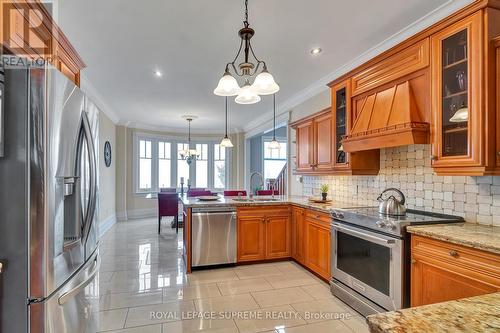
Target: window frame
pixel 155 139
pixel 265 139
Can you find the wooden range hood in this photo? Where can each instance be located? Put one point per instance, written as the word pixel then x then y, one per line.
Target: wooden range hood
pixel 387 118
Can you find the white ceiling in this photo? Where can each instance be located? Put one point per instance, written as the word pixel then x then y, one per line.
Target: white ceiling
pixel 124 41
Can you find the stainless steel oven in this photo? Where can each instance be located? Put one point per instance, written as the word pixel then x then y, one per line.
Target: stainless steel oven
pixel 371 256
pixel 370 264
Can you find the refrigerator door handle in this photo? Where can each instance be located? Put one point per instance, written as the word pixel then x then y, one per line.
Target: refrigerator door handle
pixel 76 290
pixel 89 217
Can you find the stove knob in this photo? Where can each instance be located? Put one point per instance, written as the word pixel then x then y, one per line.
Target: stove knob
pixel 334 214
pixel 380 224
pixel 391 226
pixel 340 215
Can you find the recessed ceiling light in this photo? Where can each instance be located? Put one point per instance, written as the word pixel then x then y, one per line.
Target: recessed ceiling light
pixel 316 50
pixel 158 73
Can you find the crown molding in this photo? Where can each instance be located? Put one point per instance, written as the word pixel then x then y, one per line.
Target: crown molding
pixel 97 98
pixel 175 130
pixel 443 11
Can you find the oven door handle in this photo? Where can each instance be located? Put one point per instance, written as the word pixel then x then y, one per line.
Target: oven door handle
pixel 365 236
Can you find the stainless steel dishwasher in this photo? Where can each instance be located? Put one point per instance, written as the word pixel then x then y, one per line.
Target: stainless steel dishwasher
pixel 213 236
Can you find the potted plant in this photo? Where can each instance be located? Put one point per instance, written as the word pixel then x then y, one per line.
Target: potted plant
pixel 324 191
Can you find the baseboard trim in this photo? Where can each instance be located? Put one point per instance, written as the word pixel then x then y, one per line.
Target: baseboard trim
pixel 106 224
pixel 141 213
pixel 121 216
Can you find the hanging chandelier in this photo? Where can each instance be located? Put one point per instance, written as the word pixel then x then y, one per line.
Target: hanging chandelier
pixel 263 84
pixel 189 154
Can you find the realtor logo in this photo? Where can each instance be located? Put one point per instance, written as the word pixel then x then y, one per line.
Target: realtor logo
pixel 26 29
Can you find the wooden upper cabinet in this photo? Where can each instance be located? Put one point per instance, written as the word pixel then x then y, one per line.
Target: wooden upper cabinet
pixel 442 271
pixel 341 106
pixel 409 60
pixel 323 159
pixel 318 142
pixel 305 152
pixel 366 162
pixel 32 33
pixel 314 143
pixel 457 90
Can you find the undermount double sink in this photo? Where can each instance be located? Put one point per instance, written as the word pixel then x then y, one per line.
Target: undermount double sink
pixel 254 199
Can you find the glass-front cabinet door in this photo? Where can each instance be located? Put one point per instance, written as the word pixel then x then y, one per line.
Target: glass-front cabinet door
pixel 341 107
pixel 456 97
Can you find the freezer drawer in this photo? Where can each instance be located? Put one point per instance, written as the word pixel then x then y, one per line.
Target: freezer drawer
pixel 213 238
pixel 72 309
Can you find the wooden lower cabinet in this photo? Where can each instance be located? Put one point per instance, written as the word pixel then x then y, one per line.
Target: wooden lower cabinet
pixel 251 235
pixel 317 247
pixel 441 271
pixel 264 233
pixel 298 235
pixel 277 232
pixel 278 237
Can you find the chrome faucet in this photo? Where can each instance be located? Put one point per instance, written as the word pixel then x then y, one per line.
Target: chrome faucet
pixel 250 194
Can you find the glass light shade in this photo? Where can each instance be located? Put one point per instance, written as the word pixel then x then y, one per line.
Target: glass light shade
pixel 461 116
pixel 274 145
pixel 247 95
pixel 189 153
pixel 194 152
pixel 264 84
pixel 226 142
pixel 228 86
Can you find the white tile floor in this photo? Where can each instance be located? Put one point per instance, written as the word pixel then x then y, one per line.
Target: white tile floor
pixel 144 289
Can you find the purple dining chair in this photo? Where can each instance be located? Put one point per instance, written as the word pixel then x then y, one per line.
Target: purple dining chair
pixel 192 193
pixel 267 192
pixel 235 193
pixel 168 205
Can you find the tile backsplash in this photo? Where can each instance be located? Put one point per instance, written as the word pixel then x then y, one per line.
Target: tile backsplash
pixel 408 168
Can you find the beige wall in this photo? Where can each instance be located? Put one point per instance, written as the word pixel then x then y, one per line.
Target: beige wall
pixel 107 176
pixel 131 205
pixel 121 172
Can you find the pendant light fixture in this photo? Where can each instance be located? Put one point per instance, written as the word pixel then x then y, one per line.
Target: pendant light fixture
pixel 274 144
pixel 263 84
pixel 189 154
pixel 226 142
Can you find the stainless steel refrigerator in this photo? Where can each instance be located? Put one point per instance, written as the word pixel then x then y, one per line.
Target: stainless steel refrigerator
pixel 48 202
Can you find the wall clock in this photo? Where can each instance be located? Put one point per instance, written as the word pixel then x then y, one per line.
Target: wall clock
pixel 107 154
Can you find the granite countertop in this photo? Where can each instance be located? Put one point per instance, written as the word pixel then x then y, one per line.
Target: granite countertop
pixel 481 237
pixel 279 200
pixel 474 314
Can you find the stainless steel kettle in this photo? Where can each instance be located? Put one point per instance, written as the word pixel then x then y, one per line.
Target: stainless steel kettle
pixel 391 205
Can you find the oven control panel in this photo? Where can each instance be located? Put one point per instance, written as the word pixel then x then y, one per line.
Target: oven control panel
pixel 389 225
pixel 337 214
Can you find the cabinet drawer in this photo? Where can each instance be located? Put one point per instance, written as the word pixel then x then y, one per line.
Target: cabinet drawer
pixel 475 263
pixel 410 60
pixel 264 211
pixel 321 218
